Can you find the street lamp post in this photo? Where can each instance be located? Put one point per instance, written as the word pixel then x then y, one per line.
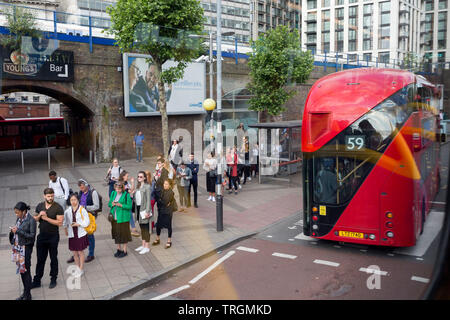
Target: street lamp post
pixel 211 89
pixel 219 198
pixel 209 106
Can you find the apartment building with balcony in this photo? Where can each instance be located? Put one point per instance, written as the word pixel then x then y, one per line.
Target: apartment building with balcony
pixel 435 31
pixel 235 18
pixel 268 14
pixel 365 29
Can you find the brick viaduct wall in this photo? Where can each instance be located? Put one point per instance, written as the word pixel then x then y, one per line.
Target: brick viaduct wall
pixel 95 101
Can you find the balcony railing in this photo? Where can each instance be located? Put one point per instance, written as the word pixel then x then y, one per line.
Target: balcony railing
pixel 54 22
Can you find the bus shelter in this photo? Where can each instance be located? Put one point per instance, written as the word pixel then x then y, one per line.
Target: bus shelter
pixel 280 156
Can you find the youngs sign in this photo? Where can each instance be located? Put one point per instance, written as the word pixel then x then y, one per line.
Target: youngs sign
pixel 56 65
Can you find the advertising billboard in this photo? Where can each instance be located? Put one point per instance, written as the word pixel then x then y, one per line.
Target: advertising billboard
pixel 141 94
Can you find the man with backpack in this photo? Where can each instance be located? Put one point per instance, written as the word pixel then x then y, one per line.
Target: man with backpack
pixel 92 202
pixel 61 188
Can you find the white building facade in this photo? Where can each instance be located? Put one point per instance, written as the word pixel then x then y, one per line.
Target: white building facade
pixel 378 30
pixel 435 30
pixel 235 18
pixel 268 14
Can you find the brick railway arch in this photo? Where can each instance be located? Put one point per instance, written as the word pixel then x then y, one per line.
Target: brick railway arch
pixel 80 116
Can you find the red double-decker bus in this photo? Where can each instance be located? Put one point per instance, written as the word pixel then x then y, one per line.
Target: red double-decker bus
pixel 370 156
pixel 25 133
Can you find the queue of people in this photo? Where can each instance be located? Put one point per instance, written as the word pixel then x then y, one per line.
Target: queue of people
pixel 74 211
pixel 131 202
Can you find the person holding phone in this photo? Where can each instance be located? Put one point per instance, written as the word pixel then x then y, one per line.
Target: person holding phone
pixel 184 176
pixel 143 209
pixel 113 174
pixel 120 203
pixel 166 203
pixel 50 216
pixel 76 218
pixel 22 236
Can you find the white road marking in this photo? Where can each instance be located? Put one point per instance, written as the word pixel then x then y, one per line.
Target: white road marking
pixel 301 236
pixel 431 229
pixel 313 242
pixel 420 279
pixel 391 254
pixel 215 264
pixel 420 259
pixel 299 223
pixel 269 236
pixel 336 246
pixel 363 250
pixel 293 227
pixel 380 272
pixel 167 294
pixel 291 239
pixel 327 263
pixel 283 255
pixel 247 249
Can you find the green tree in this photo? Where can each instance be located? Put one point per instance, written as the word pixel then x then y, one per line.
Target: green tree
pixel 20 23
pixel 410 60
pixel 277 61
pixel 162 29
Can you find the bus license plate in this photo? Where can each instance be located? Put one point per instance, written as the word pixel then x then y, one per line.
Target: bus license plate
pixel 349 234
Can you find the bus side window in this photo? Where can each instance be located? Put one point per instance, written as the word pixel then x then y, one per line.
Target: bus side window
pixel 12 130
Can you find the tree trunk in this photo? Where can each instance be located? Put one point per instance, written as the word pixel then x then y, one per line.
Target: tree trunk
pixel 163 110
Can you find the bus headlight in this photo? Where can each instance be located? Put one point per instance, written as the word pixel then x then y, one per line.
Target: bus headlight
pixel 390 234
pixel 315 227
pixel 372 237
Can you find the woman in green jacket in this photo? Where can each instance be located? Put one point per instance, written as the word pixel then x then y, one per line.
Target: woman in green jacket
pixel 120 203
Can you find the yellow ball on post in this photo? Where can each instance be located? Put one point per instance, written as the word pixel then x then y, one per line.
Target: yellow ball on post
pixel 209 104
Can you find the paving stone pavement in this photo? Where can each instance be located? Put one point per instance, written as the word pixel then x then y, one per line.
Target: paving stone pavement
pixel 194 231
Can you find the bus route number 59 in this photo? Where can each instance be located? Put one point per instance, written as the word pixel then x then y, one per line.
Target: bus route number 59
pixel 353 143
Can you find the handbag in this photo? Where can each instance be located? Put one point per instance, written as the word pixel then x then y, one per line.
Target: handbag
pixel 110 217
pixel 11 238
pixel 213 173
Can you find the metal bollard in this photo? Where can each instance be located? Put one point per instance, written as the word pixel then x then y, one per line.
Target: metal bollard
pixel 73 158
pixel 90 156
pixel 48 158
pixel 23 164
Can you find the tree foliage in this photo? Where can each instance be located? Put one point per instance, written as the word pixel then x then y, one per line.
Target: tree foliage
pixel 277 62
pixel 20 23
pixel 410 60
pixel 162 29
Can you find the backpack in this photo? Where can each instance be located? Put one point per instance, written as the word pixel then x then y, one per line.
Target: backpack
pixel 100 202
pixel 90 229
pixel 108 176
